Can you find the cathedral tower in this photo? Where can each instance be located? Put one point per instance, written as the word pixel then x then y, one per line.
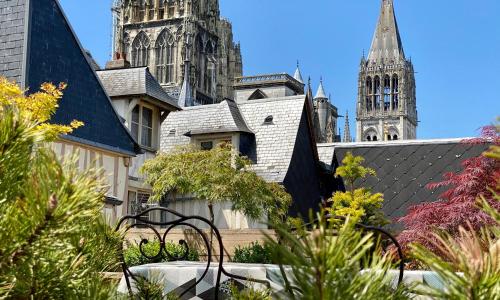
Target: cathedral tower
pixel 386 106
pixel 325 117
pixel 153 33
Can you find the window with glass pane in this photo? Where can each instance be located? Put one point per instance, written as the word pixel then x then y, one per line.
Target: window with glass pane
pixel 132 203
pixel 207 145
pixel 140 204
pixel 165 57
pixel 147 127
pixel 140 48
pixel 135 123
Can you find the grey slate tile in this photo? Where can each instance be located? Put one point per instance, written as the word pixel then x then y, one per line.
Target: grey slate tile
pixel 405 168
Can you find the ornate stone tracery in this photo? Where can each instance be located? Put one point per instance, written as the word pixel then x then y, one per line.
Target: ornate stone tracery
pixel 213 71
pixel 386 86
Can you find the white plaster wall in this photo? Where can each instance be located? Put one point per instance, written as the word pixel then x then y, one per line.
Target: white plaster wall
pixel 271 92
pixel 114 168
pixel 225 217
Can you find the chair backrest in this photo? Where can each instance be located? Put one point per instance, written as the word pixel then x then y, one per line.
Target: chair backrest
pixel 378 230
pixel 179 221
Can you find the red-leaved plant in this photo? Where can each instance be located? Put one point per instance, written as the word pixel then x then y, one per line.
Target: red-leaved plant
pixel 457 206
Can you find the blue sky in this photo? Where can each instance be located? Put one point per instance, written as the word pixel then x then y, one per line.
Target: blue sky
pixel 454 46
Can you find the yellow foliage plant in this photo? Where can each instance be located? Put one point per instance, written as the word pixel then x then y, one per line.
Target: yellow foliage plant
pixel 38 107
pixel 360 204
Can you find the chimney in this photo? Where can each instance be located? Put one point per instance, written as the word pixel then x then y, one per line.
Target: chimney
pixel 119 61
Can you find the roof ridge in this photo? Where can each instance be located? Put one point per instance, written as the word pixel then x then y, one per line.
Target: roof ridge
pixel 237 110
pixel 396 143
pixel 74 36
pixel 276 99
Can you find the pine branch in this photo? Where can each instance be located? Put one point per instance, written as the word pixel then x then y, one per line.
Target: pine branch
pixel 51 206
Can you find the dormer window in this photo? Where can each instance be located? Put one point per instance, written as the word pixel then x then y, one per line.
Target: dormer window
pixel 268 120
pixel 258 94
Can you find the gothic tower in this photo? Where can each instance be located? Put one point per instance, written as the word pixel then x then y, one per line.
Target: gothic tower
pixel 386 107
pixel 325 117
pixel 153 33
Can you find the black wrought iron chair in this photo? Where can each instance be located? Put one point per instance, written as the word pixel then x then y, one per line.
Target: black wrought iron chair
pixel 374 229
pixel 131 221
pixel 394 241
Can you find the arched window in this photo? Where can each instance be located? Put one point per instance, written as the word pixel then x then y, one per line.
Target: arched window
pixel 375 138
pixel 395 92
pixel 150 7
pixel 140 50
pixel 369 94
pixel 395 137
pixel 201 61
pixel 371 135
pixel 142 10
pixel 377 92
pixel 387 92
pixel 209 68
pixel 368 87
pixel 165 52
pixel 126 44
pixel 161 10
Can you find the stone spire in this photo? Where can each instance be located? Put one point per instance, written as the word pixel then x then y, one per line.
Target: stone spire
pixel 186 94
pixel 298 75
pixel 320 94
pixel 386 43
pixel 347 129
pixel 309 89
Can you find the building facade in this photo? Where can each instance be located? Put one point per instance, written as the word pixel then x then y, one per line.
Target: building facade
pixel 103 142
pixel 386 105
pixel 270 122
pixel 143 105
pixel 154 34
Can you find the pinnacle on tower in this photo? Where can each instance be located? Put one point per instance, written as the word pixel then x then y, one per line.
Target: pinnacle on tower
pixel 298 76
pixel 186 94
pixel 309 92
pixel 347 129
pixel 386 43
pixel 320 94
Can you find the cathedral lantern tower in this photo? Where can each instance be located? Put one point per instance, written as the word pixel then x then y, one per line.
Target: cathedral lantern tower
pixel 386 106
pixel 152 33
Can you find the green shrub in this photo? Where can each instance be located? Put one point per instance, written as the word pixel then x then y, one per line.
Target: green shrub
pixel 332 261
pixel 133 256
pixel 253 254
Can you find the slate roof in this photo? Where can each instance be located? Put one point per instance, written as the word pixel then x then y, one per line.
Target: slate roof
pixel 326 155
pixel 203 119
pixel 47 50
pixel 12 33
pixel 404 168
pixel 274 142
pixel 92 61
pixel 134 81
